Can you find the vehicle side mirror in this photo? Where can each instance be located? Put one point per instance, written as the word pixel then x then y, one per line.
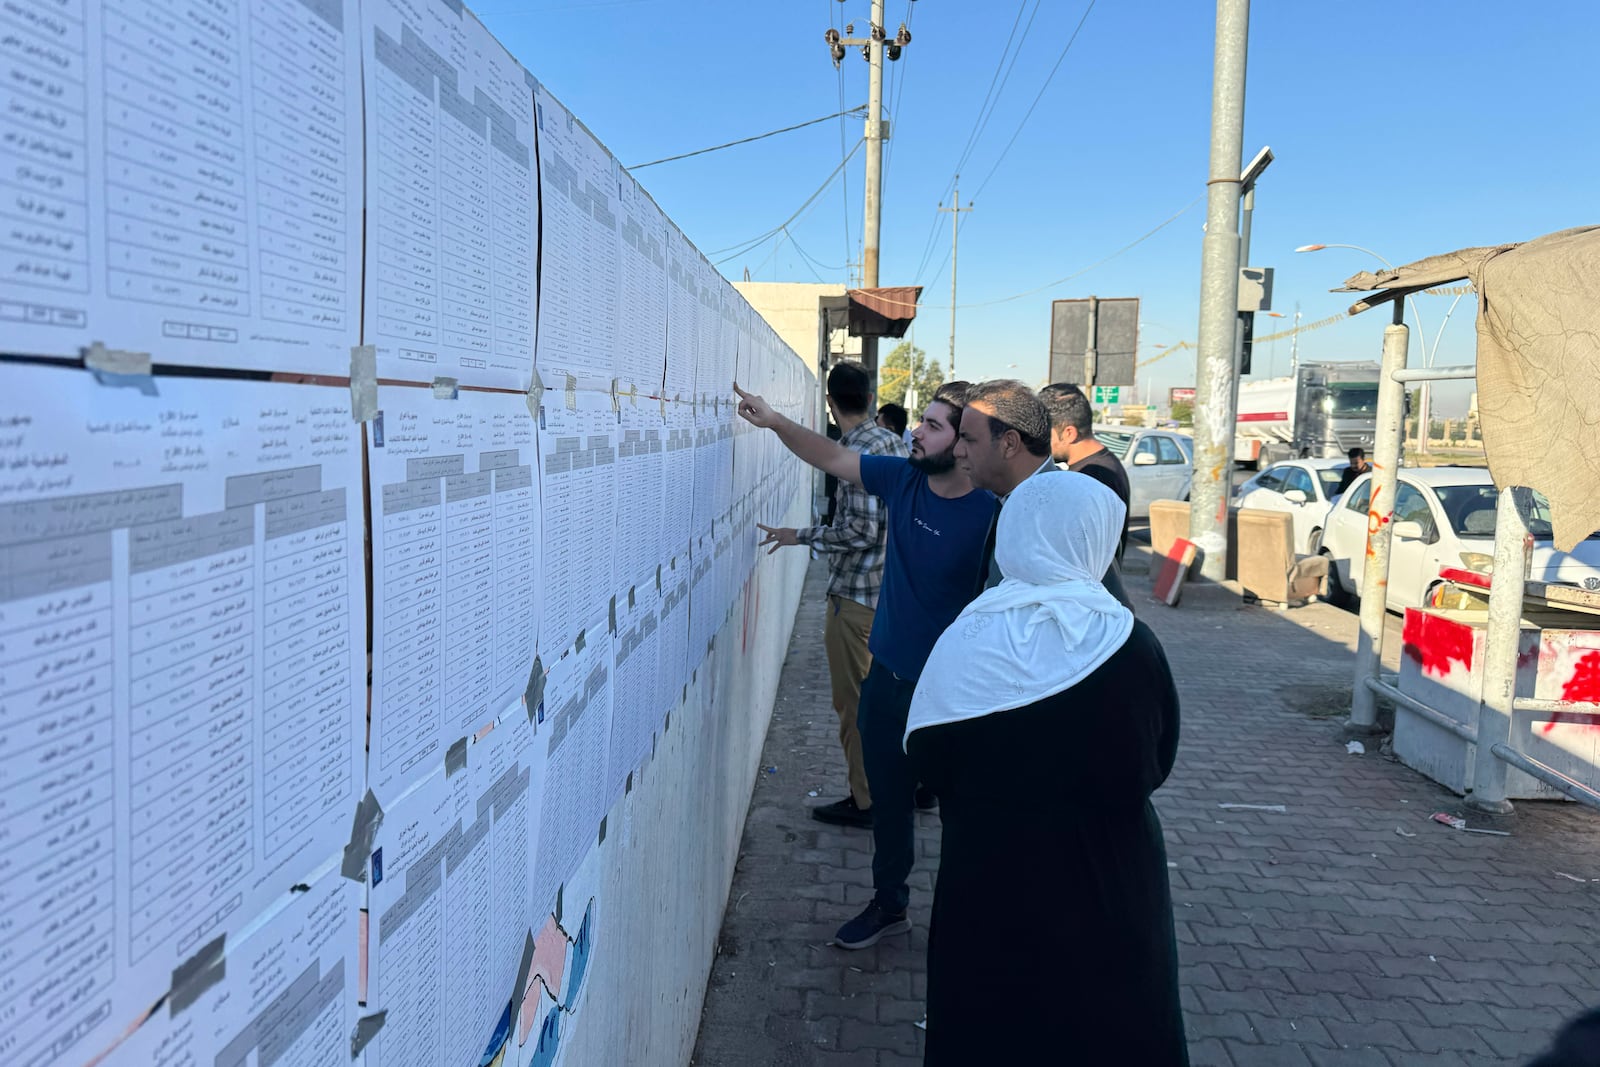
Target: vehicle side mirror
pixel 1296 496
pixel 1144 459
pixel 1409 531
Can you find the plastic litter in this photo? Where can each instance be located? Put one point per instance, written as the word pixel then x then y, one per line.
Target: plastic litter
pixel 1570 877
pixel 811 792
pixel 1404 833
pixel 1254 807
pixel 1355 748
pixel 1456 822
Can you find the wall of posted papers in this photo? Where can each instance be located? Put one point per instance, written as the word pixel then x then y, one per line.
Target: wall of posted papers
pixel 384 651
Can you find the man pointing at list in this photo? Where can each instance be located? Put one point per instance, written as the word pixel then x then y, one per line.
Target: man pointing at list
pixel 937 527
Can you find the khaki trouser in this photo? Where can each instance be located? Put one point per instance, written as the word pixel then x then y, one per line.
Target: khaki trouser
pixel 844 636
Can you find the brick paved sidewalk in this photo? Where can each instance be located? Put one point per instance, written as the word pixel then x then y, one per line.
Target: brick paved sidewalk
pixel 1319 935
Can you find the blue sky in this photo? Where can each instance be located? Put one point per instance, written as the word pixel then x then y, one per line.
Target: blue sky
pixel 1410 128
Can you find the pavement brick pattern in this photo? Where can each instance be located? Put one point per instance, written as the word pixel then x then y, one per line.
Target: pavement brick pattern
pixel 1325 934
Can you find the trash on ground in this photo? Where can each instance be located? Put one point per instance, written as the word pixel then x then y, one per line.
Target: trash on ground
pixel 1355 748
pixel 1456 822
pixel 1570 877
pixel 1404 833
pixel 922 1023
pixel 772 770
pixel 811 792
pixel 1253 807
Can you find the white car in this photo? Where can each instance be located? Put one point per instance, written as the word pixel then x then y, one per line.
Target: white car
pixel 1443 518
pixel 1160 464
pixel 1304 488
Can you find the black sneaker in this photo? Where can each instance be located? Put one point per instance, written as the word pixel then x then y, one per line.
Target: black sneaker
pixel 874 923
pixel 926 800
pixel 843 813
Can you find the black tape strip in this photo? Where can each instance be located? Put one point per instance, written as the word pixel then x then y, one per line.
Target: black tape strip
pixel 367 1028
pixel 582 641
pixel 363 830
pixel 198 973
pixel 611 613
pixel 523 968
pixel 534 693
pixel 455 758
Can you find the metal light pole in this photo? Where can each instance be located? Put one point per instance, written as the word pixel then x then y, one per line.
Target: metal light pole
pixel 1219 295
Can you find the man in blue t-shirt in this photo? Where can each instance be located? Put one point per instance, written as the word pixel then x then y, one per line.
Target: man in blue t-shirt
pixel 937 526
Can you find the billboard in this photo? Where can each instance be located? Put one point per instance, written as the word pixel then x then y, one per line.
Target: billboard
pixel 1094 341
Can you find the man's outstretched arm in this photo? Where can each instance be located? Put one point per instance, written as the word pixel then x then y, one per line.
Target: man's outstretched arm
pixel 810 446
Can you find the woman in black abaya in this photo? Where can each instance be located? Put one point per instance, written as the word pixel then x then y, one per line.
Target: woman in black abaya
pixel 1044 720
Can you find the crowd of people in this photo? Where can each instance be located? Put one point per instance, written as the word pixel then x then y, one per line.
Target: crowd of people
pixel 985 656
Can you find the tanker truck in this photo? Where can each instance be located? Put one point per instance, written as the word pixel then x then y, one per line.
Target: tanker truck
pixel 1321 411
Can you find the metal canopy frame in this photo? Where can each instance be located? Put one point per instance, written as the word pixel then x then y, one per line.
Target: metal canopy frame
pixel 1495 744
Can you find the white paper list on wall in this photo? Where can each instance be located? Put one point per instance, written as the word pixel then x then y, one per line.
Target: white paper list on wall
pixel 451 901
pixel 187 181
pixel 452 233
pixel 455 572
pixel 182 678
pixel 577 490
pixel 581 251
pixel 286 996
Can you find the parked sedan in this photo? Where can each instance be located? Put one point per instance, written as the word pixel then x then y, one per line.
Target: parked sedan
pixel 1443 518
pixel 1160 464
pixel 1304 488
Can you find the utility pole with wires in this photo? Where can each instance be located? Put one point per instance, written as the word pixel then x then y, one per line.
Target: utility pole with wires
pixel 874 47
pixel 955 210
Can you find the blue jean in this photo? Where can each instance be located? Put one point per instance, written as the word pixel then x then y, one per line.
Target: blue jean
pixel 885 703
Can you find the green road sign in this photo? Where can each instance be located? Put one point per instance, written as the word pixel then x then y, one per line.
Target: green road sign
pixel 1107 394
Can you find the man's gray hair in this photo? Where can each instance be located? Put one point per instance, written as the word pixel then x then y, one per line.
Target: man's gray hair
pixel 1016 408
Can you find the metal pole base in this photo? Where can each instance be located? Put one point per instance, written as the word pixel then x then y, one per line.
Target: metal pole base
pixel 1361 729
pixel 1491 807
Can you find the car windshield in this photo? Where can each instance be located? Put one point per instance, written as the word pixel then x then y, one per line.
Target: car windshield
pixel 1470 511
pixel 1329 477
pixel 1347 399
pixel 1116 442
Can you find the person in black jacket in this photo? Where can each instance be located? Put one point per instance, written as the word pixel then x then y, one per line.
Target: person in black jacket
pixel 1045 718
pixel 1074 446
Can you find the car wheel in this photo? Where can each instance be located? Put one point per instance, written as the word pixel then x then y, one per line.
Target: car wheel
pixel 1314 542
pixel 1338 595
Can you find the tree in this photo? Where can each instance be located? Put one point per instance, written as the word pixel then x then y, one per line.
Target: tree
pixel 903 367
pixel 1183 411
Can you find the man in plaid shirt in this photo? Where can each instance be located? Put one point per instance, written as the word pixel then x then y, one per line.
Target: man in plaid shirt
pixel 855 547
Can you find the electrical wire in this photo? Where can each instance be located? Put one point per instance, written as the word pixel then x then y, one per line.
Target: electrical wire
pixel 742 247
pixel 1029 113
pixel 1067 278
pixel 991 100
pixel 747 140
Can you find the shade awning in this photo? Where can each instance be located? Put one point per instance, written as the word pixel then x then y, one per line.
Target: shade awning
pixel 1538 362
pixel 883 312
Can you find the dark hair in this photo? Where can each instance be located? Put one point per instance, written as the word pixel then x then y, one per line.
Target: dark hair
pixel 954 396
pixel 850 388
pixel 1068 407
pixel 894 415
pixel 1015 408
pixel 1357 453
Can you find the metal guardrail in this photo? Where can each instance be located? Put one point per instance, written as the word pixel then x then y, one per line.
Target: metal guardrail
pixel 1551 777
pixel 1421 710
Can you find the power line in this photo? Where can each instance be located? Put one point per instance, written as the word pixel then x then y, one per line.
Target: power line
pixel 987 110
pixel 747 140
pixel 745 246
pixel 1050 77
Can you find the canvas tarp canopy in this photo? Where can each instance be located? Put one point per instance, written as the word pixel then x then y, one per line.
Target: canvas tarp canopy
pixel 1538 362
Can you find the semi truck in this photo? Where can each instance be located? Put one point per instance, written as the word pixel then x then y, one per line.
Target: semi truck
pixel 1321 411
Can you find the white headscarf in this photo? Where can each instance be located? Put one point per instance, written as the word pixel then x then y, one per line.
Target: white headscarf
pixel 1049 624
